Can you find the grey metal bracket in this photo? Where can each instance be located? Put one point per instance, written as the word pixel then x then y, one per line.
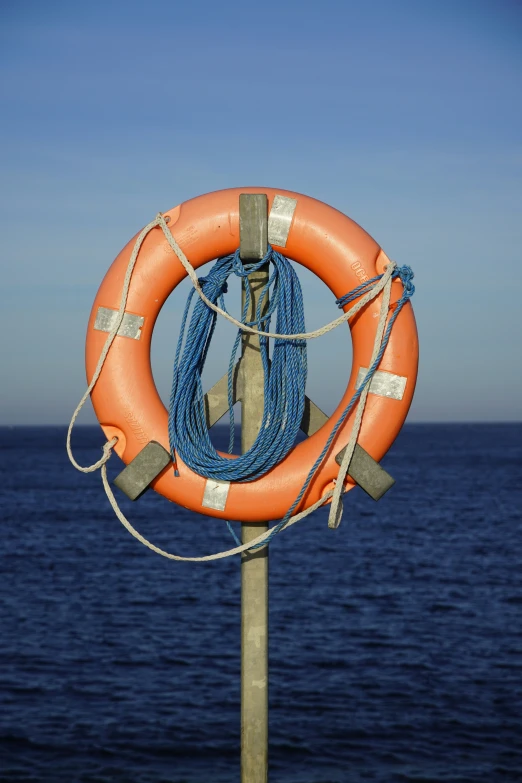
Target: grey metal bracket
pixel 367 473
pixel 142 470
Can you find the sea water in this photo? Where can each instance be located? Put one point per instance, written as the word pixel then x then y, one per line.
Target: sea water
pixel 395 641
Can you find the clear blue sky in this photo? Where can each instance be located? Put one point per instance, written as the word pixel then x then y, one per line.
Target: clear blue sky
pixel 405 115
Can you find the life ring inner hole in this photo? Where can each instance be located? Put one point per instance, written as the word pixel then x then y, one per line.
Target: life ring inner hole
pixel 329 356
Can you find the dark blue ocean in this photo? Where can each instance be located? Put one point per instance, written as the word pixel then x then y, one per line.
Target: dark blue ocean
pixel 395 641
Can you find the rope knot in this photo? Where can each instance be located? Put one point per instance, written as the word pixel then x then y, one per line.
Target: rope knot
pixel 242 269
pixel 214 288
pixel 405 273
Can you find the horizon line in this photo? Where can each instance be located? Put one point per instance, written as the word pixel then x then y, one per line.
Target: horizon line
pixel 406 423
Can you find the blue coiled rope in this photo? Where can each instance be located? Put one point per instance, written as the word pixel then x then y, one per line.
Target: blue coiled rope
pixel 284 381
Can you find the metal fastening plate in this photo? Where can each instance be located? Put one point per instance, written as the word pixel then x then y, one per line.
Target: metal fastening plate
pixel 129 327
pixel 253 226
pixel 367 473
pixel 280 220
pixel 385 384
pixel 216 494
pixel 144 468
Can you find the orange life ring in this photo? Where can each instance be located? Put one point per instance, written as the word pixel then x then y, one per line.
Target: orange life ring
pixel 125 398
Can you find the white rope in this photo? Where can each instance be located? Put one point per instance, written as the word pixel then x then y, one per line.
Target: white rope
pixel 336 511
pixel 205 558
pixel 336 508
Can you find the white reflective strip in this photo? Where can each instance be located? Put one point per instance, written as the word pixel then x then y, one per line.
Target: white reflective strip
pixel 216 494
pixel 280 220
pixel 129 327
pixel 385 384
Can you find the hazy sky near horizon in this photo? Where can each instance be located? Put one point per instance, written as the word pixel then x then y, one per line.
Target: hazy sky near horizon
pixel 405 115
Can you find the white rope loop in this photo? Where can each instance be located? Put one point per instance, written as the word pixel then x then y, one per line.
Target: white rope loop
pixel 205 558
pixel 383 284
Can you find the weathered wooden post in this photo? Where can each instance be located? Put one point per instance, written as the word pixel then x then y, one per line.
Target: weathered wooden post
pixel 253 222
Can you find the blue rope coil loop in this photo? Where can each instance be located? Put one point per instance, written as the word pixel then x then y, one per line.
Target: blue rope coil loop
pixel 284 379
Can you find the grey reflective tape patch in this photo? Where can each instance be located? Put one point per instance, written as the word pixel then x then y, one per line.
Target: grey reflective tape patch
pixel 216 494
pixel 280 220
pixel 129 327
pixel 385 384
